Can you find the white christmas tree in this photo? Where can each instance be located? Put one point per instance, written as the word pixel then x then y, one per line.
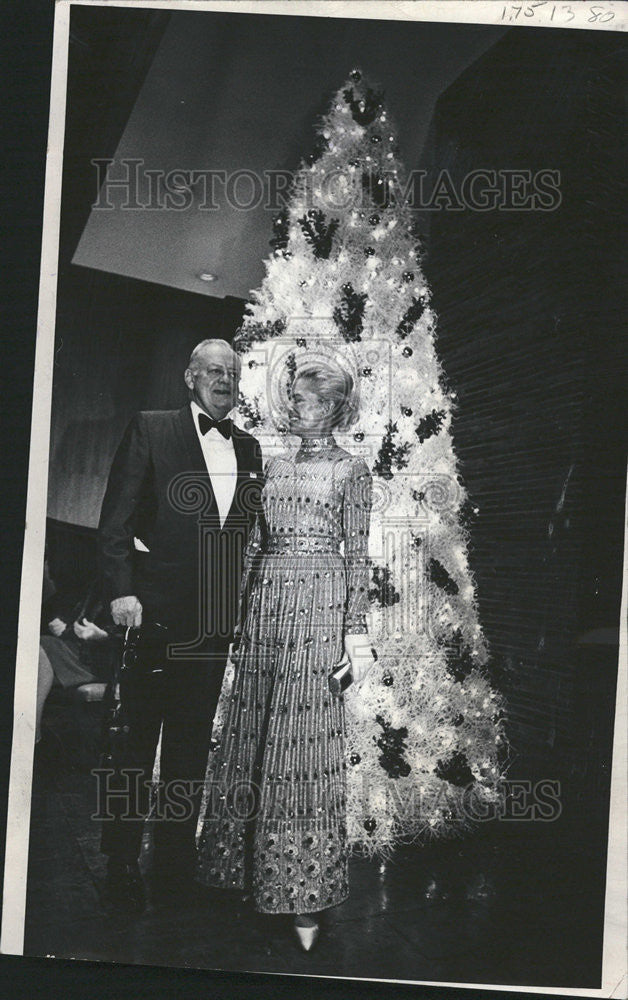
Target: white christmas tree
pixel 426 747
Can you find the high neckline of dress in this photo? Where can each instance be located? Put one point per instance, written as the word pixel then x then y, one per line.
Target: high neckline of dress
pixel 316 445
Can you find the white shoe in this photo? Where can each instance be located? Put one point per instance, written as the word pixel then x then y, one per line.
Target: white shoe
pixel 306 936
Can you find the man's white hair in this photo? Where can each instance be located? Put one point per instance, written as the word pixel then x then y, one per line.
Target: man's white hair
pixel 193 362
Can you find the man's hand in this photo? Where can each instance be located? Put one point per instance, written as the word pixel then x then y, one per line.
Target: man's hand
pixel 57 627
pixel 127 611
pixel 359 652
pixel 87 630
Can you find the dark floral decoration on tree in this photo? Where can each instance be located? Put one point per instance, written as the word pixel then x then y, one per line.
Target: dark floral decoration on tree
pixel 349 315
pixel 392 743
pixel 250 411
pixel 291 368
pixel 430 424
pixel 439 575
pixel 455 770
pixel 281 227
pixel 460 661
pixel 377 187
pixel 250 333
pixel 319 234
pixel 365 108
pixel 390 454
pixel 411 315
pixel 383 592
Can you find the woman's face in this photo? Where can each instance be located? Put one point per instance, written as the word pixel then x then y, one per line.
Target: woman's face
pixel 309 414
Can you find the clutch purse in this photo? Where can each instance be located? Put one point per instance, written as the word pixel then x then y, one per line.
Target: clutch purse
pixel 340 678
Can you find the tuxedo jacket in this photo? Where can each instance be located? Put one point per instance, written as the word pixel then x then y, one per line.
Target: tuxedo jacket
pixel 160 492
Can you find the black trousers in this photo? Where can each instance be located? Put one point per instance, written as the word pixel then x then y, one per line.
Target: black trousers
pixel 183 699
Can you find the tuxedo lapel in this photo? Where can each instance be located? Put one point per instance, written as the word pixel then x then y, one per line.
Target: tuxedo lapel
pixel 190 441
pixel 193 460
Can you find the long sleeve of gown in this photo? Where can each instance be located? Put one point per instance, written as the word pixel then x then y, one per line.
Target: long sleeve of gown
pixel 356 516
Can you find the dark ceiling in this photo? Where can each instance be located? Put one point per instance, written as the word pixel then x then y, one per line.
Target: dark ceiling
pixel 238 91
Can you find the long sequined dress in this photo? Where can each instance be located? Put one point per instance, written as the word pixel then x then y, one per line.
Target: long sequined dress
pixel 275 821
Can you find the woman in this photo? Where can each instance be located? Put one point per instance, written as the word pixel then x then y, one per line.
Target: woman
pixel 276 815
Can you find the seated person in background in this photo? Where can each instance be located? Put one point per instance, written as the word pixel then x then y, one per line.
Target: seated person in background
pixel 75 651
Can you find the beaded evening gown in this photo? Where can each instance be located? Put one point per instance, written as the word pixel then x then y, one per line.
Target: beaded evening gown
pixel 275 821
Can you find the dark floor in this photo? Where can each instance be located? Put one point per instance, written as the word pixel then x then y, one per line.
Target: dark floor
pixel 513 904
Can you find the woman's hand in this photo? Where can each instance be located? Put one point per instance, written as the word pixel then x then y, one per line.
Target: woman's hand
pixel 57 627
pixel 359 652
pixel 88 631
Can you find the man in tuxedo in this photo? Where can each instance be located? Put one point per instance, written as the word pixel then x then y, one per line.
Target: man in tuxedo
pixel 182 497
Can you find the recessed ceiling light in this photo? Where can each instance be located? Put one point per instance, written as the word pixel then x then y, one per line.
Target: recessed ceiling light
pixel 208 276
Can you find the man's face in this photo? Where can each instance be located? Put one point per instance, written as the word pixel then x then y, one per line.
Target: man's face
pixel 214 380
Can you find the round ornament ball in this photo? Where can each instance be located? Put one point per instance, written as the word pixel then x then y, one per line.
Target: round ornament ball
pixel 407 352
pixel 374 219
pixel 355 75
pixel 355 758
pixel 369 825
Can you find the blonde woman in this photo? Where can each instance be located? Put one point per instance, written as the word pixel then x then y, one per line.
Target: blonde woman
pixel 276 817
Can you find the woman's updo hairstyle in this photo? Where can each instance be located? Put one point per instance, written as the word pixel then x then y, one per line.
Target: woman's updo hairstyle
pixel 334 385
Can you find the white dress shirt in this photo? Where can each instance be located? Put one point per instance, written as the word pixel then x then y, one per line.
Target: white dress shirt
pixel 222 464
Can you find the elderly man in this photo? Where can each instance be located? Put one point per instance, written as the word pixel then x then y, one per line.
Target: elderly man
pixel 181 500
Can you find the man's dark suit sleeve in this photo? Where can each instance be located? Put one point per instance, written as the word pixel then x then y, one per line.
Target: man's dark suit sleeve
pixel 116 530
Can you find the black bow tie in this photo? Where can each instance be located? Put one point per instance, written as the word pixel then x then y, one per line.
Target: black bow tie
pixel 206 423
